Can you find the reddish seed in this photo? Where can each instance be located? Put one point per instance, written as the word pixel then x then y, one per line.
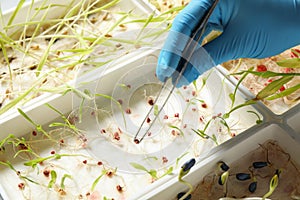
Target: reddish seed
pixel 52 152
pixel 204 105
pixel 34 133
pixel 61 141
pixel 119 188
pixel 151 102
pixel 128 111
pixel 103 131
pixel 88 194
pixel 261 68
pixel 201 119
pixel 187 100
pixel 137 141
pixel 233 134
pixel 184 87
pixel 173 132
pixel 282 88
pixel 21 186
pixel 129 86
pixel 46 172
pixel 99 163
pixel 109 173
pixel 84 162
pixel 149 133
pixel 288 70
pixel 116 136
pixel 185 125
pixel 194 109
pixel 166 117
pixel 120 101
pixel 148 120
pixel 176 115
pixel 164 159
pixel 194 93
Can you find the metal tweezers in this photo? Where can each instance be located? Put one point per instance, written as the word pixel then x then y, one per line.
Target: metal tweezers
pixel 188 52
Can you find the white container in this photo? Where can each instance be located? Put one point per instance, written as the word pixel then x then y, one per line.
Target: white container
pixel 230 152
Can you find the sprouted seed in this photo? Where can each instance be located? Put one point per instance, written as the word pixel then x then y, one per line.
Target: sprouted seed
pixel 262 172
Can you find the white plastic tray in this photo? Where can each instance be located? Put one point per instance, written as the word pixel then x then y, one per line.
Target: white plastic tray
pixel 230 152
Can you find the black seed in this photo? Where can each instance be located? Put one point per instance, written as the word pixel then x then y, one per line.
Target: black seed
pixel 257 165
pixel 188 165
pixel 242 176
pixel 224 166
pixel 252 187
pixel 179 195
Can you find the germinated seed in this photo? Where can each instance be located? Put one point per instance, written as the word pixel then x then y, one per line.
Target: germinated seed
pixel 188 165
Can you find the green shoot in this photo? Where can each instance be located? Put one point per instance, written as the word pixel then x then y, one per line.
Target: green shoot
pixel 232 96
pixel 259 120
pixel 273 87
pixel 185 169
pixel 97 180
pixel 116 102
pixel 33 163
pixel 180 157
pixel 53 179
pixel 62 182
pixel 178 129
pixel 37 126
pixel 151 172
pixel 290 63
pixel 273 184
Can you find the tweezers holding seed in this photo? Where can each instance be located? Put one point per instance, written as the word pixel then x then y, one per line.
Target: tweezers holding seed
pixel 188 50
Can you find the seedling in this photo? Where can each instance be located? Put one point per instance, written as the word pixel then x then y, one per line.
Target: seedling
pixel 153 173
pixel 273 184
pixel 185 169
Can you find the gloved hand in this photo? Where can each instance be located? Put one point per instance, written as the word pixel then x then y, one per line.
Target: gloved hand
pixel 250 29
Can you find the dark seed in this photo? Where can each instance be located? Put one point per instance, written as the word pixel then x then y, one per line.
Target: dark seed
pixel 179 195
pixel 137 141
pixel 242 176
pixel 224 166
pixel 151 102
pixel 220 180
pixel 252 187
pixel 257 165
pixel 188 165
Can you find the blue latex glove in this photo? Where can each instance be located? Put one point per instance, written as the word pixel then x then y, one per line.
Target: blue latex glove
pixel 250 29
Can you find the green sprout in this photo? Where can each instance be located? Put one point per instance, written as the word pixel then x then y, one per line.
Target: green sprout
pixel 273 184
pixel 153 173
pixel 97 180
pixel 53 178
pixel 185 169
pixel 62 182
